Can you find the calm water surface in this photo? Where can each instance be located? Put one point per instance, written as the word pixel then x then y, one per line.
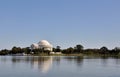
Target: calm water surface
pixel 29 66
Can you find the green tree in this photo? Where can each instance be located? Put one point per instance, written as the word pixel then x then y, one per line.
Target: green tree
pixel 26 50
pixel 16 50
pixel 70 50
pixel 79 48
pixel 116 50
pixel 4 52
pixel 58 49
pixel 104 50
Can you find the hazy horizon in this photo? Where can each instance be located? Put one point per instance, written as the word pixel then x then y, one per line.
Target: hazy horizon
pixel 65 23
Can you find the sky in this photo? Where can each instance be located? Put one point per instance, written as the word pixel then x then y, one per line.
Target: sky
pixel 65 23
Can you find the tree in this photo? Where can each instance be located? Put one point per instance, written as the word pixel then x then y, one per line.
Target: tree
pixel 4 52
pixel 104 50
pixel 70 50
pixel 58 49
pixel 38 51
pixel 79 48
pixel 16 50
pixel 26 50
pixel 116 51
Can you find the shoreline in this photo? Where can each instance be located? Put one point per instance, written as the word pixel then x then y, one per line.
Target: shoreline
pixel 76 55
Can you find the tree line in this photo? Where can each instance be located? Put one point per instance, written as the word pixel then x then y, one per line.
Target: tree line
pixel 15 50
pixel 78 49
pixel 102 51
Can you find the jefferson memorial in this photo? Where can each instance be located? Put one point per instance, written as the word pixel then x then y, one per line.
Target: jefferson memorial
pixel 44 44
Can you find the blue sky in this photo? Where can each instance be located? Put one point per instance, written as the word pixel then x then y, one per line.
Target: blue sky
pixel 92 23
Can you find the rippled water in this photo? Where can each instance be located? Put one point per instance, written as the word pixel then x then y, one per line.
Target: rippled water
pixel 29 66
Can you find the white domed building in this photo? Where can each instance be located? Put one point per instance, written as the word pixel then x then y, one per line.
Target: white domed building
pixel 44 44
pixel 34 46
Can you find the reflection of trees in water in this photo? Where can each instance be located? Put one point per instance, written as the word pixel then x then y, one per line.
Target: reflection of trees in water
pixel 77 59
pixel 106 60
pixel 57 60
pixel 41 63
pixel 117 61
pixel 45 63
pixel 3 58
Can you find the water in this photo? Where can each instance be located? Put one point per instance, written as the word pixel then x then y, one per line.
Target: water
pixel 29 66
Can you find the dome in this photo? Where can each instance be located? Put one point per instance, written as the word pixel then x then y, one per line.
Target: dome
pixel 44 43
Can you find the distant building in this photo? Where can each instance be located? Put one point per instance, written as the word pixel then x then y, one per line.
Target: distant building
pixel 44 44
pixel 34 46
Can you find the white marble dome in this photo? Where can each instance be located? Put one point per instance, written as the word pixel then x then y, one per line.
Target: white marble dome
pixel 44 44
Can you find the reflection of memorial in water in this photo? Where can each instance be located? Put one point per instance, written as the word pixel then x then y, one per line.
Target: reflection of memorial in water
pixel 42 63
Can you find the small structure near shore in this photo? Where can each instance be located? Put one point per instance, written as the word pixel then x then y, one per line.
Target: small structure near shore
pixel 55 53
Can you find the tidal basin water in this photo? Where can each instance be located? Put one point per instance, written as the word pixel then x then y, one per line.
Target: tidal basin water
pixel 30 66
